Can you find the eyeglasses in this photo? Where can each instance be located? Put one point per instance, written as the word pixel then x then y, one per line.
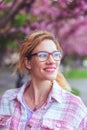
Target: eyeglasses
pixel 43 55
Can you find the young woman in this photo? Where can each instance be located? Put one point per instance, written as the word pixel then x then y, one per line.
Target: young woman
pixel 41 103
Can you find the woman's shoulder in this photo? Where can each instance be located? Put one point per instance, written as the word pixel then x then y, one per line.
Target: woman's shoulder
pixel 8 102
pixel 75 102
pixel 10 93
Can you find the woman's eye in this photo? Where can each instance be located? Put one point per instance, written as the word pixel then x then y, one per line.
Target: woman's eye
pixel 42 55
pixel 56 54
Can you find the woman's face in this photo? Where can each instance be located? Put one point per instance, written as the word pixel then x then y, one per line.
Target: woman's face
pixel 44 70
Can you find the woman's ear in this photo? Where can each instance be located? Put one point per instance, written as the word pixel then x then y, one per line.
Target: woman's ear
pixel 27 63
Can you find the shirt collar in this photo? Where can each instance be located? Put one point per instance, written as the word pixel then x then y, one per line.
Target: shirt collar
pixel 56 93
pixel 18 93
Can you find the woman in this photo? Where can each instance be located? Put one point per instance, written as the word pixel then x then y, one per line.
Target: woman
pixel 41 103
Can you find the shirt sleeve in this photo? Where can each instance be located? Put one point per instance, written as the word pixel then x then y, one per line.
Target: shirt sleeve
pixel 83 124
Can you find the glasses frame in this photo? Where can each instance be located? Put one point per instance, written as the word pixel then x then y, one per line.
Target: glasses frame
pixel 29 56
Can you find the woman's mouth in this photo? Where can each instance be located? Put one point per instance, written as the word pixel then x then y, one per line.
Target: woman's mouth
pixel 50 69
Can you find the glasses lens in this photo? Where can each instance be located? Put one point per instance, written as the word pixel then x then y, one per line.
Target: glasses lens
pixel 57 55
pixel 42 56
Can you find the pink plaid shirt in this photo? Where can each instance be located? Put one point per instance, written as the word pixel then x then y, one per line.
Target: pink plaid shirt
pixel 62 111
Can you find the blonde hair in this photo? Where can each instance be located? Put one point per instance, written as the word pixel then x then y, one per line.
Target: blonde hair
pixel 29 44
pixel 62 81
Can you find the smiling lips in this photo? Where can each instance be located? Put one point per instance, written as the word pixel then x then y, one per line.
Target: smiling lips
pixel 50 69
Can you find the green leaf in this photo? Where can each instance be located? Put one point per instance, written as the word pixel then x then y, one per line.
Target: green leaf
pixel 8 1
pixel 19 20
pixel 75 91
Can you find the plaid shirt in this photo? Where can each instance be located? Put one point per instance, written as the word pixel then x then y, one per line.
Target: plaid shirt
pixel 62 111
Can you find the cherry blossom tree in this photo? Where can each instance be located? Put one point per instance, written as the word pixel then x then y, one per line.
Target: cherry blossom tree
pixel 66 18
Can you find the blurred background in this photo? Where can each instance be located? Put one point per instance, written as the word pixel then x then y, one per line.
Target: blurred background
pixel 67 19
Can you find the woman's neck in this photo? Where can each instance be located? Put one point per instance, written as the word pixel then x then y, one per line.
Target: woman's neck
pixel 38 93
pixel 38 90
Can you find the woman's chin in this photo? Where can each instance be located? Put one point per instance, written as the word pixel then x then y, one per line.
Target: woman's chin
pixel 51 78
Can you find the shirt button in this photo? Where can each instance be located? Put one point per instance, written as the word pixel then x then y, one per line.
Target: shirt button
pixel 58 125
pixel 1 119
pixel 29 126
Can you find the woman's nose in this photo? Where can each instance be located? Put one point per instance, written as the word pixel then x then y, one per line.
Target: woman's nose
pixel 50 59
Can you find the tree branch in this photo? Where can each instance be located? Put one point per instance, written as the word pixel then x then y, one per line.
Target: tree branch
pixel 15 8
